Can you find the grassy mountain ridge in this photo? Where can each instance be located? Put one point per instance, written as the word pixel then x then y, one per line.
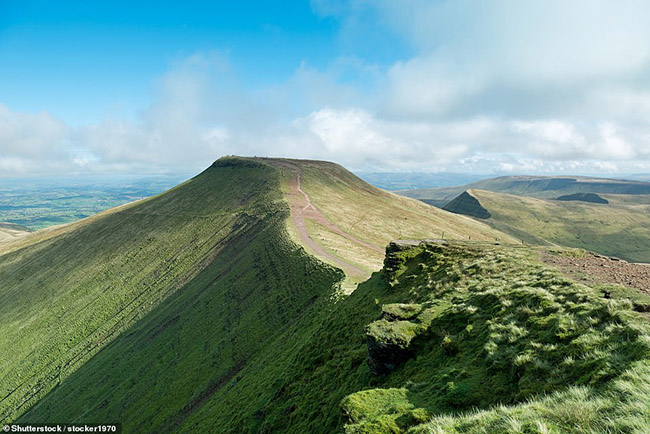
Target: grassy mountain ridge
pixel 203 339
pixel 494 342
pixel 367 217
pixel 65 297
pixel 71 294
pixel 534 186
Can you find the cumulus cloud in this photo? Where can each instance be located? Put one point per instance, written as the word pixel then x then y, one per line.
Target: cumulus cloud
pixel 499 86
pixel 529 40
pixel 31 142
pixel 554 82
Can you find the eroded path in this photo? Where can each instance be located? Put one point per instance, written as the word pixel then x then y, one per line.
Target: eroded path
pixel 303 209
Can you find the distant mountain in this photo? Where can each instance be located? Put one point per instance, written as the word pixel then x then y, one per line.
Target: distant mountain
pixel 404 180
pixel 467 204
pixel 615 225
pixel 534 186
pixel 639 177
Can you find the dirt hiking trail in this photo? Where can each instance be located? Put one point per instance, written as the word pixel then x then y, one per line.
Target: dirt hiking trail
pixel 302 209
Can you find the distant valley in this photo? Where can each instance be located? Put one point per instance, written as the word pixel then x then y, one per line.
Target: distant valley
pixel 40 203
pixel 608 216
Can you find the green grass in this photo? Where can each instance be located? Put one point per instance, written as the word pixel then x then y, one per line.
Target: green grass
pixel 199 342
pixel 622 408
pixel 65 298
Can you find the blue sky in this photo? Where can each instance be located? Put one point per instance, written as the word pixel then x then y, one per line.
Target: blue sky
pixel 80 59
pixel 467 86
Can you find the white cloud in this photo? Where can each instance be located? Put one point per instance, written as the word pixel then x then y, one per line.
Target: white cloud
pixel 31 143
pixel 551 131
pixel 30 135
pixel 528 39
pixel 507 86
pixel 426 86
pixel 612 145
pixel 341 131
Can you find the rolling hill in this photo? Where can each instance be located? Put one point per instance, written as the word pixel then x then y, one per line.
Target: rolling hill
pixel 180 308
pixel 534 186
pixel 11 231
pixel 620 227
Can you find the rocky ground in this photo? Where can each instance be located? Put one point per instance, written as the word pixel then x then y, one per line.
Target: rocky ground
pixel 594 268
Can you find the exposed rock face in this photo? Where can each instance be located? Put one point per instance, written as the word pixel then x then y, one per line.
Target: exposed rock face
pixel 390 338
pixel 389 344
pixel 393 260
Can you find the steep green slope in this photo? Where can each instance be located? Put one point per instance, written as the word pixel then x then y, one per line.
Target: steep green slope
pixel 96 298
pixel 455 327
pixel 479 326
pixel 200 341
pixel 619 228
pixel 534 186
pixel 66 297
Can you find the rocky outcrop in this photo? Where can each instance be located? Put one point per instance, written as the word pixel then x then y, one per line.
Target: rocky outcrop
pixel 400 311
pixel 395 258
pixel 389 344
